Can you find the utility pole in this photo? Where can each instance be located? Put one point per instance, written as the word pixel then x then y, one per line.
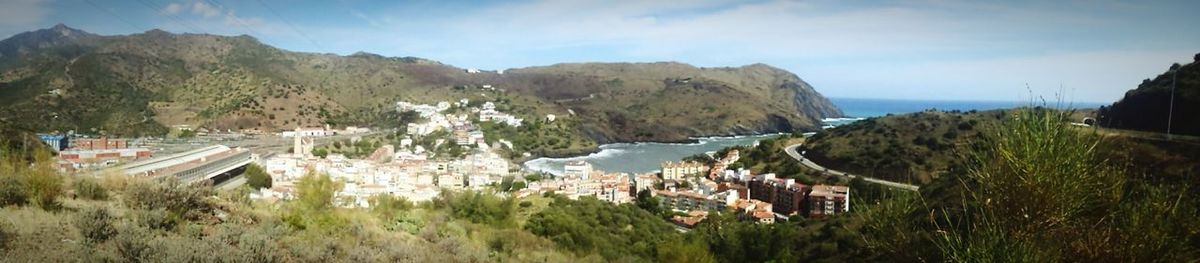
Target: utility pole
pixel 1171 108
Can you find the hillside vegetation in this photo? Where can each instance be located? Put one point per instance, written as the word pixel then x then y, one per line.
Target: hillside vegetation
pixel 919 147
pixel 141 84
pixel 1146 108
pixel 910 148
pixel 1034 190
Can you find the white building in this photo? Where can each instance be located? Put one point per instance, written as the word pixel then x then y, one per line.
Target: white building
pixel 578 169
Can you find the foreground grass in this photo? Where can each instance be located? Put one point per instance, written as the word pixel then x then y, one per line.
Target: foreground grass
pixel 1039 191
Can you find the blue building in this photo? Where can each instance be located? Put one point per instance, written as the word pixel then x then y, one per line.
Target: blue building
pixel 56 142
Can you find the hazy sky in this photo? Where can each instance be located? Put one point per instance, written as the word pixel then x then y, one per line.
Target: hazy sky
pixel 1096 50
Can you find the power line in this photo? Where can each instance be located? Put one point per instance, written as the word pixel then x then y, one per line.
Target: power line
pixel 233 16
pixel 118 17
pixel 114 15
pixel 289 24
pixel 172 17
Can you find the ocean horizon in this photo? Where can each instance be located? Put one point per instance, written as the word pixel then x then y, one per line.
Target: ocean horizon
pixel 866 108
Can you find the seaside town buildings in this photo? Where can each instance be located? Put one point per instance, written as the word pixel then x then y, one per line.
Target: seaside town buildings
pixel 678 170
pixel 762 198
pixel 409 170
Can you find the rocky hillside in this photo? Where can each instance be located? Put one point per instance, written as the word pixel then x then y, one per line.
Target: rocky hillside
pixel 66 79
pixel 1146 108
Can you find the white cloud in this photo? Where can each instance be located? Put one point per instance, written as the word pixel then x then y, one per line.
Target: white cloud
pixel 232 19
pixel 201 8
pixel 173 8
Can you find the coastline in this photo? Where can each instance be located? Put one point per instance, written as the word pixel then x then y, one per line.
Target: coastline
pixel 625 155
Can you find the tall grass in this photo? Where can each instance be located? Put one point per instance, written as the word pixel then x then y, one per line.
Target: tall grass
pixel 1039 191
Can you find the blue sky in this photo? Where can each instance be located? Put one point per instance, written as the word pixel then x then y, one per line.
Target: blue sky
pixel 948 50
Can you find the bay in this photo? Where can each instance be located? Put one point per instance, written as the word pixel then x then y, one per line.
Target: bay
pixel 643 157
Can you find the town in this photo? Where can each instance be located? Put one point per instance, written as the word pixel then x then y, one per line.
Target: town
pixel 421 166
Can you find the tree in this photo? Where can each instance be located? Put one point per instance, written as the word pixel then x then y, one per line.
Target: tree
pixel 506 184
pixel 684 251
pixel 648 202
pixel 1196 58
pixel 256 177
pixel 314 192
pixel 320 153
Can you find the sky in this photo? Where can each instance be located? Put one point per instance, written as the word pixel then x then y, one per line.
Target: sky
pixel 1079 51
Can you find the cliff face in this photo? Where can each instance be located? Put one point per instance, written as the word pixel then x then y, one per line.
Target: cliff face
pixel 1146 108
pixel 66 79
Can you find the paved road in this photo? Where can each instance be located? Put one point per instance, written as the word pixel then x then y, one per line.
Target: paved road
pixel 791 150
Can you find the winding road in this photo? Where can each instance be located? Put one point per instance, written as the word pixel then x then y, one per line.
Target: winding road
pixel 791 150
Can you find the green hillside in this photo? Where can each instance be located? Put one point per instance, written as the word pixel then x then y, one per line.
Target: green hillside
pixel 911 148
pixel 141 84
pixel 920 147
pixel 1148 107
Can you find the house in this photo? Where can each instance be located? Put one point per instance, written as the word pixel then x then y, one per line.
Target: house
pixel 677 171
pixel 578 169
pixel 827 200
pixel 690 221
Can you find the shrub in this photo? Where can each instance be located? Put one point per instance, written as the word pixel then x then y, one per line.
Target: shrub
pixel 314 203
pixel 45 185
pixel 6 235
pixel 169 194
pixel 155 219
pixel 13 190
pixel 478 207
pixel 133 244
pixel 387 206
pixel 256 177
pixel 88 188
pixel 315 191
pixel 95 224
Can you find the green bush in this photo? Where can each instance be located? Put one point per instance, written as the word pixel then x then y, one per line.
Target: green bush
pixel 388 206
pixel 95 224
pixel 13 190
pixel 184 201
pixel 88 188
pixel 6 235
pixel 45 186
pixel 256 177
pixel 134 244
pixel 155 219
pixel 314 203
pixel 589 225
pixel 479 207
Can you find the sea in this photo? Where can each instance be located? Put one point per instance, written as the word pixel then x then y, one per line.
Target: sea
pixel 644 157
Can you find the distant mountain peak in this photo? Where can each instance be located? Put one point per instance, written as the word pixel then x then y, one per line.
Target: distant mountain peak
pixel 57 35
pixel 66 31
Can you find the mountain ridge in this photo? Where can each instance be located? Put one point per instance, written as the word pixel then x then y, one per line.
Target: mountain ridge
pixel 140 84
